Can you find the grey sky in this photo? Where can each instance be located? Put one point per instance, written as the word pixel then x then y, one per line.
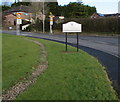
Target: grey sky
pixel 103 6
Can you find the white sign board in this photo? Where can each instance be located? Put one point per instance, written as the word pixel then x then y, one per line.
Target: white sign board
pixel 72 27
pixel 19 21
pixel 61 17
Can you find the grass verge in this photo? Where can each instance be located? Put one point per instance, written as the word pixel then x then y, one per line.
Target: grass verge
pixel 19 59
pixel 70 76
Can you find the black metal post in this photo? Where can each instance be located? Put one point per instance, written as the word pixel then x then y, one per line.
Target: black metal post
pixel 66 41
pixel 77 42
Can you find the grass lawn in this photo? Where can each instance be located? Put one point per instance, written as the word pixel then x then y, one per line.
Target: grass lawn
pixel 0 64
pixel 70 76
pixel 19 58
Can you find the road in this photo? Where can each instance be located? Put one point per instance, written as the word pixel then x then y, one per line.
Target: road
pixel 105 48
pixel 105 44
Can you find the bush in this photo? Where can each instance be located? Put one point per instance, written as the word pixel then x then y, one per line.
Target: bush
pixel 29 28
pixel 107 25
pixel 99 25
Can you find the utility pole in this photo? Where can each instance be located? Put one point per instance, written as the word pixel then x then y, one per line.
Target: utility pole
pixel 43 17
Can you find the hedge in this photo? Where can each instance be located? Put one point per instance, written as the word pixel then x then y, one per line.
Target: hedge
pixel 107 25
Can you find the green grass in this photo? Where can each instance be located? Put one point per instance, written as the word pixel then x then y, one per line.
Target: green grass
pixel 0 65
pixel 70 76
pixel 19 58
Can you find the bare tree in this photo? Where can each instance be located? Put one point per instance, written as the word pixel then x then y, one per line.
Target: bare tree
pixel 40 9
pixel 36 7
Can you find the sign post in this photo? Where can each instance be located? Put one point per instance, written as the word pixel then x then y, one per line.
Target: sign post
pixel 18 22
pixel 66 41
pixel 72 27
pixel 77 42
pixel 51 21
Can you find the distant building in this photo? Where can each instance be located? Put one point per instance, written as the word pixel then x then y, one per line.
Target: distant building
pixel 98 15
pixel 9 20
pixel 9 16
pixel 59 19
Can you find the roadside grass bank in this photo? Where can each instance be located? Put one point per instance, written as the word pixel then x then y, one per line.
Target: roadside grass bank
pixel 20 58
pixel 0 65
pixel 70 76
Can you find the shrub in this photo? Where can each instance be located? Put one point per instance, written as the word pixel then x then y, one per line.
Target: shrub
pixel 107 25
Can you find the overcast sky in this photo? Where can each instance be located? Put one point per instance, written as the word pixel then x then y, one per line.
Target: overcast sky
pixel 103 6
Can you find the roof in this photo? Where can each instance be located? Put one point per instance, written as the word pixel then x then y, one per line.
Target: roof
pixel 116 14
pixel 20 8
pixel 107 15
pixel 101 14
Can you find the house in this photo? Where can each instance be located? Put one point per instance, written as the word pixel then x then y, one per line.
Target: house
pixel 9 20
pixel 112 15
pixel 9 16
pixel 59 19
pixel 98 15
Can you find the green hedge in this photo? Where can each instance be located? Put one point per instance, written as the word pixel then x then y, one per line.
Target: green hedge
pixel 110 25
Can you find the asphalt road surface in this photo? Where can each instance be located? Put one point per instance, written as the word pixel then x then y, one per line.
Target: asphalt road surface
pixel 105 44
pixel 105 48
